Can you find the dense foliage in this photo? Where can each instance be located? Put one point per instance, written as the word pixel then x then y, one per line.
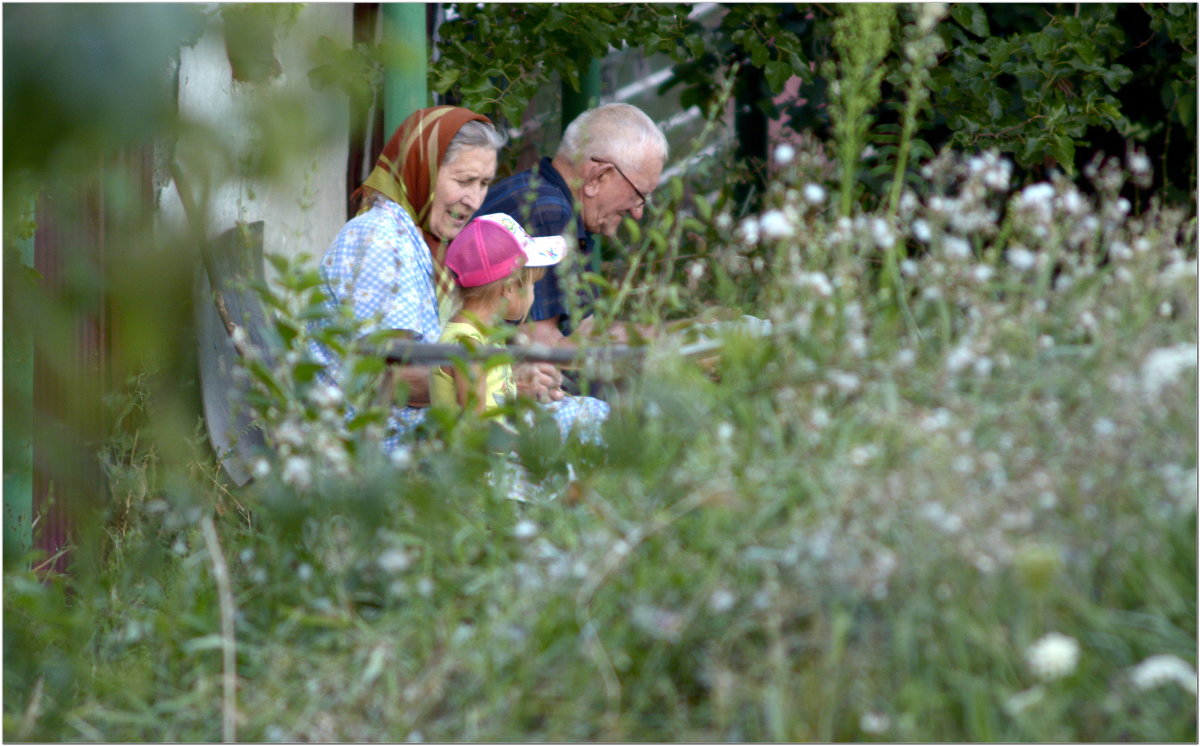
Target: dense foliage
pixel 941 487
pixel 1041 82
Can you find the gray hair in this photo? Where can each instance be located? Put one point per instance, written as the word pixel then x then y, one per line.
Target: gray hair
pixel 611 132
pixel 474 134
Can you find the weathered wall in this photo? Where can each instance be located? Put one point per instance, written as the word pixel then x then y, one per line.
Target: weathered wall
pixel 303 202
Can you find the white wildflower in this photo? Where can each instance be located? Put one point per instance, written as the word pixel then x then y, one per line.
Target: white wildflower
pixel 1164 669
pixel 304 572
pixel 1175 271
pixel 861 455
pixel 818 282
pixel 814 194
pixel 657 622
pixel 942 519
pixel 1073 202
pixel 290 434
pixel 1139 164
pixel 981 273
pixel 775 224
pixel 938 419
pixel 1040 194
pixel 394 560
pixel 874 723
pixel 401 457
pixel 909 268
pixel 1019 702
pixel 749 231
pixel 297 472
pixel 325 396
pixel 847 383
pixel 1021 258
pixel 261 468
pixel 525 529
pixel 882 233
pixel 920 230
pixel 1104 427
pixel 1165 309
pixel 1164 365
pixel 721 600
pixel 724 221
pixel 784 153
pixel 956 248
pixel 1054 656
pixel 960 357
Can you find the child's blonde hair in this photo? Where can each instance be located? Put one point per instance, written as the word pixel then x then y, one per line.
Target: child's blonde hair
pixel 521 277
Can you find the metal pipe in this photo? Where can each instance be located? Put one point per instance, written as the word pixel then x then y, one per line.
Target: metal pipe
pixel 406 46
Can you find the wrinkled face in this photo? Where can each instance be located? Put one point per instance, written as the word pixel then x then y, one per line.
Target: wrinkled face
pixel 461 186
pixel 608 196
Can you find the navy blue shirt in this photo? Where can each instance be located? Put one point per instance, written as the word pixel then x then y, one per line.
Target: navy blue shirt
pixel 540 200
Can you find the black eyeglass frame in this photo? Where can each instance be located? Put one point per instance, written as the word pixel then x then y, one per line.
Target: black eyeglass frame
pixel 645 198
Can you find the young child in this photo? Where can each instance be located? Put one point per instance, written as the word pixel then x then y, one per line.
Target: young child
pixel 495 263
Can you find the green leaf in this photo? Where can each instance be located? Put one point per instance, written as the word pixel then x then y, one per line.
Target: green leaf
pixel 635 230
pixel 659 240
pixel 971 17
pixel 1064 152
pixel 305 372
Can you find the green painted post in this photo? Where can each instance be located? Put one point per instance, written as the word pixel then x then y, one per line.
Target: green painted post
pixel 18 405
pixel 405 62
pixel 575 102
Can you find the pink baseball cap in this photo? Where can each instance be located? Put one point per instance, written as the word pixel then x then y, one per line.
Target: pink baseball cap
pixel 491 247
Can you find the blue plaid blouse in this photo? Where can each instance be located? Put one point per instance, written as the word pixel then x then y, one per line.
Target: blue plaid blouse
pixel 381 268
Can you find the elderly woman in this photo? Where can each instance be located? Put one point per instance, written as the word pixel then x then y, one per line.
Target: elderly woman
pixel 387 264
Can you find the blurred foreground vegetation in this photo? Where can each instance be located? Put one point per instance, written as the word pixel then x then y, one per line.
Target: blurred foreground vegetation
pixel 950 497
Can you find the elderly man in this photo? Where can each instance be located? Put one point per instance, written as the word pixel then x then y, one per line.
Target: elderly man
pixel 608 163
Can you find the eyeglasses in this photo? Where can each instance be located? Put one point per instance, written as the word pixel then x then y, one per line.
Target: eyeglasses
pixel 645 198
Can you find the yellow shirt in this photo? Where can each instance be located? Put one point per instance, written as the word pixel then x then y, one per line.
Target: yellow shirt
pixel 500 383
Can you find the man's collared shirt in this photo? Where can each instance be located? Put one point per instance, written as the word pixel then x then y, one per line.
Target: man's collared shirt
pixel 541 201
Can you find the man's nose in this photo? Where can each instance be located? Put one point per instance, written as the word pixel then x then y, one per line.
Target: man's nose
pixel 637 212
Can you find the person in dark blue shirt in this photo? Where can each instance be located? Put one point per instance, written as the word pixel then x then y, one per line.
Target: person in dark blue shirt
pixel 609 162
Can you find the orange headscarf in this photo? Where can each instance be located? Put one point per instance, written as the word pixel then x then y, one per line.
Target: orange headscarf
pixel 406 171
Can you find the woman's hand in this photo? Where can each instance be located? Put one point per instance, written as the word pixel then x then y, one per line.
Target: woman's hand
pixel 540 381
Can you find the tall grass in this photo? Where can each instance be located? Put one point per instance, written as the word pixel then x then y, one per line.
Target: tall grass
pixel 852 529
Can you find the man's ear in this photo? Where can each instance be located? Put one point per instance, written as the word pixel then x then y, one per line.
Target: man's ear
pixel 592 175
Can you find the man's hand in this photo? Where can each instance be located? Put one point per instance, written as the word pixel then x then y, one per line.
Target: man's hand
pixel 540 381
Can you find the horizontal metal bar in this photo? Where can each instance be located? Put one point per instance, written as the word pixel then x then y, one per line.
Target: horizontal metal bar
pixel 425 353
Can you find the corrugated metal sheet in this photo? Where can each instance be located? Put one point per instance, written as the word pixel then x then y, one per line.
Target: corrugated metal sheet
pixel 71 253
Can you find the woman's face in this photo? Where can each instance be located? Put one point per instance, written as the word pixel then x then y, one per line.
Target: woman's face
pixel 461 186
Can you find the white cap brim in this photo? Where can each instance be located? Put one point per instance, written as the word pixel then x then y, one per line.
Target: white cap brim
pixel 545 251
